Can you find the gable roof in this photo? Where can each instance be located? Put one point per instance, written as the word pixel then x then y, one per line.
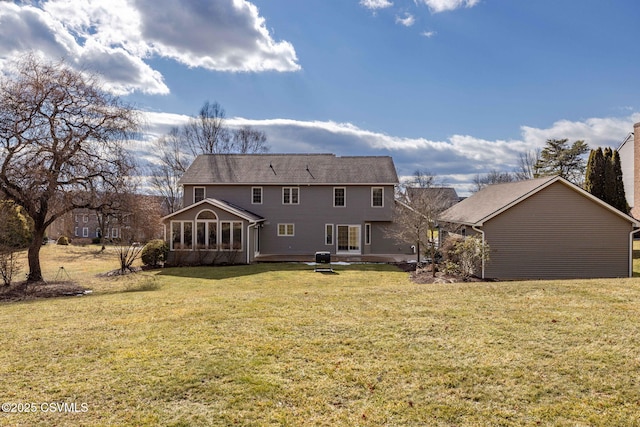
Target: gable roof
pixel 225 206
pixel 306 169
pixel 495 199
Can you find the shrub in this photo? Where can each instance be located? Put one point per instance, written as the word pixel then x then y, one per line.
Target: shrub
pixel 155 252
pixel 63 240
pixel 464 256
pixel 9 265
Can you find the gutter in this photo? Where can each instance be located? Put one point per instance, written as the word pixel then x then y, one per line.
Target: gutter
pixel 473 227
pixel 631 251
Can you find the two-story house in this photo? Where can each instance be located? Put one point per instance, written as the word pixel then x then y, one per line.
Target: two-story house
pixel 244 207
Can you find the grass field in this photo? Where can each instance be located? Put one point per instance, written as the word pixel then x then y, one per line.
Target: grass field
pixel 282 345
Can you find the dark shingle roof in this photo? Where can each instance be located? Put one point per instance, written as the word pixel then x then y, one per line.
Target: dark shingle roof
pixel 446 196
pixel 289 169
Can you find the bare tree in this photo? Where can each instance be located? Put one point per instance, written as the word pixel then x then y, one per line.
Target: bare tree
pixel 206 133
pixel 61 137
pixel 249 140
pixel 493 177
pixel 173 163
pixel 527 165
pixel 138 218
pixel 417 210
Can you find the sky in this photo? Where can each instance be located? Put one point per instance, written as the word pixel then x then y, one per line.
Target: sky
pixel 456 88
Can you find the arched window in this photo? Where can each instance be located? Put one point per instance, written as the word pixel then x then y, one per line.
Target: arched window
pixel 206 230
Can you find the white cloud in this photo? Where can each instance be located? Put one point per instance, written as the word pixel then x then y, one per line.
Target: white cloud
pixel 437 6
pixel 428 34
pixel 376 4
pixel 456 160
pixel 407 21
pixel 116 37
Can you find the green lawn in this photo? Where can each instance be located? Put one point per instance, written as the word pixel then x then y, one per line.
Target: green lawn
pixel 282 345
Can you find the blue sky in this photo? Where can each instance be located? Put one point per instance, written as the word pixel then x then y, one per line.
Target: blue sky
pixel 455 87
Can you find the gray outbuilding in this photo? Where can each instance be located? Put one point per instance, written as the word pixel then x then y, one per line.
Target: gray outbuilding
pixel 546 228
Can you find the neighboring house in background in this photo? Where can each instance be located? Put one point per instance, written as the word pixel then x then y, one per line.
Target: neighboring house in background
pixel 248 207
pixel 629 151
pixel 83 225
pixel 546 228
pixel 447 195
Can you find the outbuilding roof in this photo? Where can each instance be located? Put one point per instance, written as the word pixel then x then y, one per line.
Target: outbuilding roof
pixel 495 199
pixel 303 169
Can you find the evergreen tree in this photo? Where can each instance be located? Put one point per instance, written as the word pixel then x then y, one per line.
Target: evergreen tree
pixel 594 176
pixel 603 178
pixel 609 176
pixel 619 198
pixel 558 158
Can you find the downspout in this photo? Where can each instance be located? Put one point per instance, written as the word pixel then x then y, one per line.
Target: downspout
pixel 473 227
pixel 247 246
pixel 631 251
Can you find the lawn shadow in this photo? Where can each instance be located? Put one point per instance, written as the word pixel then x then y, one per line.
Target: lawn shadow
pixel 229 271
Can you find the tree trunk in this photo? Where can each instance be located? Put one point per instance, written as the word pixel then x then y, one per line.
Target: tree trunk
pixel 35 272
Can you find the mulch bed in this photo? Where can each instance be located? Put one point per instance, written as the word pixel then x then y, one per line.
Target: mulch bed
pixel 31 291
pixel 424 275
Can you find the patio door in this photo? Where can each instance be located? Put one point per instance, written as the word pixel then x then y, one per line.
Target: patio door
pixel 348 239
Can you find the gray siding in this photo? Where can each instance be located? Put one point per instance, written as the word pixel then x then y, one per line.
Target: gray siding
pixel 557 233
pixel 314 211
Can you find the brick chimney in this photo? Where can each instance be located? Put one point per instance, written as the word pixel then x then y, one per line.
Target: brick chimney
pixel 635 212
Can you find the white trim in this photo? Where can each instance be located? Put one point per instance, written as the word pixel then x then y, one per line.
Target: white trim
pixel 344 197
pixel 261 195
pixel 218 204
pixel 333 234
pixel 286 226
pixel 367 233
pixel 291 195
pixel 337 239
pixel 231 241
pixel 382 200
pixel 182 242
pixel 85 231
pixel 204 193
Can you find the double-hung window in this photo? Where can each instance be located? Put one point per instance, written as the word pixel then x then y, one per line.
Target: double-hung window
pixel 377 197
pixel 339 197
pixel 290 195
pixel 256 195
pixel 198 194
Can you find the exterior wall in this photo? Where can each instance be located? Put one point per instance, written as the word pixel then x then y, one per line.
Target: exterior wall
pixel 310 216
pixel 205 256
pixel 557 233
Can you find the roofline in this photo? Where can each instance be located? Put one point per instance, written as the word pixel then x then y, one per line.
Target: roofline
pixel 219 204
pixel 629 136
pixel 262 184
pixel 544 185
